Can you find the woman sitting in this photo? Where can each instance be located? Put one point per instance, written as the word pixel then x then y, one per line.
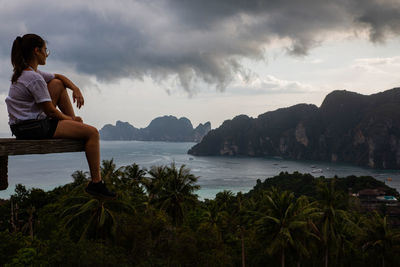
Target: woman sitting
pixel 32 101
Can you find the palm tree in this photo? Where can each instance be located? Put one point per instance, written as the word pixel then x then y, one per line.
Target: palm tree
pixel 334 221
pixel 173 189
pixel 129 182
pixel 240 218
pixel 134 172
pixel 214 217
pixel 154 184
pixel 88 217
pixel 79 177
pixel 285 222
pixel 29 224
pixel 109 171
pixel 225 198
pixel 380 238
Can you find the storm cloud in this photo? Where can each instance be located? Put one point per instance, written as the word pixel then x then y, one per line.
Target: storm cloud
pixel 187 40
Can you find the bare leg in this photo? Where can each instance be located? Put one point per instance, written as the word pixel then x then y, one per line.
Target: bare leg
pixel 78 130
pixel 60 98
pixel 73 129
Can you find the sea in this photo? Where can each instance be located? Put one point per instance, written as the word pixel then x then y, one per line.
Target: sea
pixel 215 173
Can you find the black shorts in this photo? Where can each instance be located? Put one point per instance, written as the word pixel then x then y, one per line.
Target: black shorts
pixel 35 129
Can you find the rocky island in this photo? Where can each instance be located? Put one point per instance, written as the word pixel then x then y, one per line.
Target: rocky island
pixel 347 127
pixel 166 128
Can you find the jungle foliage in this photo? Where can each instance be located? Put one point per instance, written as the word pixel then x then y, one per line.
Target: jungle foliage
pixel 158 220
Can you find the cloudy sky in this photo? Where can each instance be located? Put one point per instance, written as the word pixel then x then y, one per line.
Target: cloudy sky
pixel 207 60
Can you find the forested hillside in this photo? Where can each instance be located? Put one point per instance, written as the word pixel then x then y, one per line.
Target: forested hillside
pixel 158 220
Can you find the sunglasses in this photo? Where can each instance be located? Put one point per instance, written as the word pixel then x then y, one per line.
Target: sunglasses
pixel 47 51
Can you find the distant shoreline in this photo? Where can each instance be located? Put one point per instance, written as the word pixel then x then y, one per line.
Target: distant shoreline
pixel 237 173
pixel 5 135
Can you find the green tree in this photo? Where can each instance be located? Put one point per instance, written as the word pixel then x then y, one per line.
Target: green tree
pixel 334 221
pixel 80 177
pixel 109 171
pixel 380 239
pixel 173 190
pixel 10 244
pixel 134 172
pixel 240 218
pixel 25 257
pixel 225 199
pixel 88 217
pixel 214 217
pixel 284 223
pixel 131 182
pixel 155 183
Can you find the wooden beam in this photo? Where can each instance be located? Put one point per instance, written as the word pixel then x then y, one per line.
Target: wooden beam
pixel 11 146
pixel 3 172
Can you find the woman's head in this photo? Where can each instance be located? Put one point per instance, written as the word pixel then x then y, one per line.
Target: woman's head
pixel 25 49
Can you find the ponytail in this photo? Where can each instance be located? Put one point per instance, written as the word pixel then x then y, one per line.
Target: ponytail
pixel 17 59
pixel 22 52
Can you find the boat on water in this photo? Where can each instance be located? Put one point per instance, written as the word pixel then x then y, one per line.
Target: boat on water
pixel 317 171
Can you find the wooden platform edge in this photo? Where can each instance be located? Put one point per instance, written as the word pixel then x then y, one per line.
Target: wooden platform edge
pixel 3 172
pixel 10 146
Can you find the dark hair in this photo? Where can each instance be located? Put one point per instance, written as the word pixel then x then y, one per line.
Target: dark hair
pixel 22 52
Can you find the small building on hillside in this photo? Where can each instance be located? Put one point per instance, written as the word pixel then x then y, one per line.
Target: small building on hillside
pixel 369 198
pixel 376 199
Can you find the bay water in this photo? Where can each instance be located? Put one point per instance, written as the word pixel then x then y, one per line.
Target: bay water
pixel 215 173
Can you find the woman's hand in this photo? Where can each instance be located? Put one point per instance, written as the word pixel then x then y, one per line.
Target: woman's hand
pixel 76 92
pixel 77 118
pixel 78 97
pixel 51 111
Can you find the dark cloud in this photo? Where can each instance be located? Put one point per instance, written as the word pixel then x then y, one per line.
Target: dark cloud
pixel 382 19
pixel 189 39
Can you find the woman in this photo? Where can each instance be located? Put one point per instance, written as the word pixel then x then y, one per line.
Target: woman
pixel 32 101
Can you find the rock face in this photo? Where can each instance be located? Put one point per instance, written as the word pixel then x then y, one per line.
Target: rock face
pixel 348 127
pixel 121 131
pixel 167 128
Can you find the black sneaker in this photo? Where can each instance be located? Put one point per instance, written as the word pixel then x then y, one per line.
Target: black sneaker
pixel 3 173
pixel 99 189
pixel 3 182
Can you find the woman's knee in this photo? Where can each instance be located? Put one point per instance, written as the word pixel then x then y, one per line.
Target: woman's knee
pixel 93 132
pixel 90 132
pixel 72 129
pixel 56 83
pixel 56 87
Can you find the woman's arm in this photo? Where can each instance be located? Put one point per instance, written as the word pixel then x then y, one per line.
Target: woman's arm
pixel 51 111
pixel 76 92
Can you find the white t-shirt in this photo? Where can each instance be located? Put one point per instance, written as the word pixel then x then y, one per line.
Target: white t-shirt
pixel 25 95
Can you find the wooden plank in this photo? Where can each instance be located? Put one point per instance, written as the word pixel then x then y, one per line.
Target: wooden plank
pixel 11 146
pixel 3 172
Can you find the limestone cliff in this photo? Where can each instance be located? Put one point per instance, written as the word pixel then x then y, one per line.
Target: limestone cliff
pixel 167 128
pixel 347 127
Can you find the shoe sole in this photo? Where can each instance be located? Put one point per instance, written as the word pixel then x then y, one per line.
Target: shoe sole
pixel 3 185
pixel 93 193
